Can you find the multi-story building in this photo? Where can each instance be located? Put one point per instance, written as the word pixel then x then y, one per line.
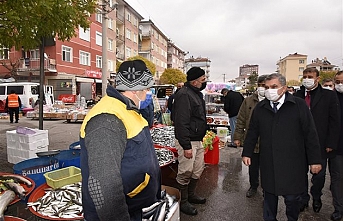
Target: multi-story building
pixel 204 63
pixel 322 65
pixel 175 56
pixel 244 72
pixel 292 66
pixel 153 46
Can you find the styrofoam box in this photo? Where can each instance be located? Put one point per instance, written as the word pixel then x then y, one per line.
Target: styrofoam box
pixel 27 138
pixel 34 145
pixel 29 154
pixel 12 144
pixel 14 159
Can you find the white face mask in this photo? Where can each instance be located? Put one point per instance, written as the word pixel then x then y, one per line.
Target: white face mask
pixel 339 88
pixel 260 91
pixel 308 83
pixel 328 88
pixel 271 94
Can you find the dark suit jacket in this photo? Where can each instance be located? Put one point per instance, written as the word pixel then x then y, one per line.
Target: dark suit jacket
pixel 325 110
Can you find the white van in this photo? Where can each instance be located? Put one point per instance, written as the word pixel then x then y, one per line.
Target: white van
pixel 27 91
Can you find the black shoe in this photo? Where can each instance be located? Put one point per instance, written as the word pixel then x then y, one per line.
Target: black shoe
pixel 188 209
pixel 196 199
pixel 16 122
pixel 11 122
pixel 251 192
pixel 303 206
pixel 336 216
pixel 317 205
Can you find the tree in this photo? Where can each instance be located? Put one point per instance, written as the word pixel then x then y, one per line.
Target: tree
pixel 327 75
pixel 252 81
pixel 151 66
pixel 24 23
pixel 172 76
pixel 293 83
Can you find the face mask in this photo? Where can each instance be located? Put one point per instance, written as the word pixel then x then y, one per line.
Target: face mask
pixel 203 86
pixel 261 91
pixel 328 88
pixel 141 103
pixel 339 88
pixel 308 83
pixel 146 102
pixel 271 94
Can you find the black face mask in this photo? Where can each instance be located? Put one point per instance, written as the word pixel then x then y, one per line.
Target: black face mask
pixel 203 86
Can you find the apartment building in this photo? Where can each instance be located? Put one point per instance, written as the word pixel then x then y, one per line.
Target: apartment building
pixel 322 65
pixel 204 63
pixel 292 66
pixel 153 46
pixel 244 73
pixel 175 56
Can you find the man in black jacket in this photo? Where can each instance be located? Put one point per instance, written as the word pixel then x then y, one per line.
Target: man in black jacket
pixel 190 128
pixel 324 106
pixel 232 102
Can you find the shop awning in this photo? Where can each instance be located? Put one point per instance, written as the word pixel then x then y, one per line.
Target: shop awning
pixel 84 80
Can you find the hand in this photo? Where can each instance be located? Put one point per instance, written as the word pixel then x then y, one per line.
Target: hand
pixel 188 153
pixel 237 142
pixel 328 149
pixel 315 168
pixel 246 161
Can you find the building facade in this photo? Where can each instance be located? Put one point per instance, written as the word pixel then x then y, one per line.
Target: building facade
pixel 322 65
pixel 204 63
pixel 175 57
pixel 244 73
pixel 292 66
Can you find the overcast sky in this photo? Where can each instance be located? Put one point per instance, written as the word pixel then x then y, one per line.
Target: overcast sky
pixel 232 33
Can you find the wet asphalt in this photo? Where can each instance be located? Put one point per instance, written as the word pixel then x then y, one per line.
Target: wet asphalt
pixel 224 185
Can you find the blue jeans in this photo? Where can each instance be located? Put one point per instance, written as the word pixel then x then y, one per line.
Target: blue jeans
pixel 232 121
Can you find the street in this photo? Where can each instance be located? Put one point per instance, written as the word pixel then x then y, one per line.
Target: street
pixel 224 185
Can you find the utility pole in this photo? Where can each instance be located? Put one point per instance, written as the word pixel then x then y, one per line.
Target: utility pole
pixel 224 77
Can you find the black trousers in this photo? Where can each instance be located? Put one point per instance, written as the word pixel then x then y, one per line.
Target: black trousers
pixel 15 111
pixel 270 206
pixel 254 170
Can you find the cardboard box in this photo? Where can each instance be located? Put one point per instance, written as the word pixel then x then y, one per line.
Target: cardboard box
pixel 175 212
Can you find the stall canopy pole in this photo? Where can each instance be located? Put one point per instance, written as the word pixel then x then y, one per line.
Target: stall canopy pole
pixel 41 84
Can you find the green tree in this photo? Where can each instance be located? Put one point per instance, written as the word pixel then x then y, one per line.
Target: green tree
pixel 24 23
pixel 252 81
pixel 327 75
pixel 172 76
pixel 151 66
pixel 293 83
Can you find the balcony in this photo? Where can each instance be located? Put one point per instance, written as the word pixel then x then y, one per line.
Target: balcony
pixel 120 56
pixel 120 18
pixel 27 64
pixel 120 37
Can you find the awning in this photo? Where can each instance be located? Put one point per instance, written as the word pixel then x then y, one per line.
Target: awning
pixel 99 81
pixel 84 80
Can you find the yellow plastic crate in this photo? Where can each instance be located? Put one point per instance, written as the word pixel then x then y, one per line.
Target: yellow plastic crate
pixel 62 177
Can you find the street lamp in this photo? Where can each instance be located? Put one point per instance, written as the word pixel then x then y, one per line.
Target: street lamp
pixel 106 8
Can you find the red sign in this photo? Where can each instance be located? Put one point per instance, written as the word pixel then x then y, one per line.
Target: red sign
pixel 67 98
pixel 93 74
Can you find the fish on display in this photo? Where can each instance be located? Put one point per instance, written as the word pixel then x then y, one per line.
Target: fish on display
pixel 163 136
pixel 16 178
pixel 64 202
pixel 17 188
pixel 160 210
pixel 5 199
pixel 164 156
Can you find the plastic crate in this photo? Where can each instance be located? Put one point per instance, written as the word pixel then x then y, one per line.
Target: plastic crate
pixel 62 177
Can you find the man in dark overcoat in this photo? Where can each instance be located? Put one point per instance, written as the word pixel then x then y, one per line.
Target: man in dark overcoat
pixel 324 106
pixel 288 144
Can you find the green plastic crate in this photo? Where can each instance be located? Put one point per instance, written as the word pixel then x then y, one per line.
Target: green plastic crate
pixel 62 177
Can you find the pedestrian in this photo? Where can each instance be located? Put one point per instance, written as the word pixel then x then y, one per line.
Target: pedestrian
pixel 242 125
pixel 288 143
pixel 232 102
pixel 324 106
pixel 170 100
pixel 190 127
pixel 120 170
pixel 13 103
pixel 328 84
pixel 146 108
pixel 338 213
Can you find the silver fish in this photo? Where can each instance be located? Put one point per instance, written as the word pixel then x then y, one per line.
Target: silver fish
pixel 17 188
pixel 16 178
pixel 5 199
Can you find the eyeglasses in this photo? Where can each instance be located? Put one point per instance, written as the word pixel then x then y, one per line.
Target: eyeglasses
pixel 327 85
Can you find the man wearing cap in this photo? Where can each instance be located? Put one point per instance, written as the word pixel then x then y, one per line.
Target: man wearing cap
pixel 190 128
pixel 120 171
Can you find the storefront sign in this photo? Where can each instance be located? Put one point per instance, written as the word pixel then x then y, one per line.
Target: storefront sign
pixel 93 74
pixel 67 98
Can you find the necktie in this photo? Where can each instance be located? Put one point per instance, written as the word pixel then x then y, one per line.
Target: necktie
pixel 308 98
pixel 275 106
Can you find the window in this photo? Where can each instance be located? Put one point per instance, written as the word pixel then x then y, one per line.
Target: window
pixel 18 89
pixel 84 34
pixel 67 53
pixel 135 38
pixel 98 39
pixel 85 58
pixel 110 45
pixel 110 23
pixel 98 16
pixel 129 17
pixel 128 34
pixel 109 65
pixel 34 54
pixel 301 61
pixel 4 53
pixel 98 61
pixel 2 90
pixel 128 52
pixel 301 69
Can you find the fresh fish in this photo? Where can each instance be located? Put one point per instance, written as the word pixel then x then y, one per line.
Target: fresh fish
pixel 16 178
pixel 5 199
pixel 164 156
pixel 17 188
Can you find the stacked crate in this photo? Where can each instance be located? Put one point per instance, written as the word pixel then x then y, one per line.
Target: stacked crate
pixel 25 146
